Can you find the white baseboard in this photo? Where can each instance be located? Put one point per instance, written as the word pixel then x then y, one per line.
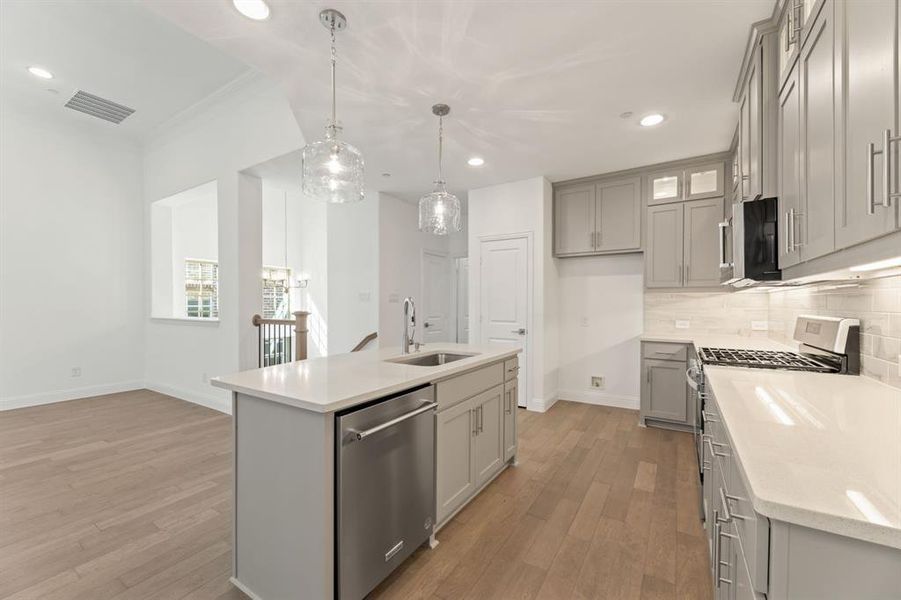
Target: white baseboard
pixel 599 398
pixel 221 403
pixel 542 404
pixel 24 401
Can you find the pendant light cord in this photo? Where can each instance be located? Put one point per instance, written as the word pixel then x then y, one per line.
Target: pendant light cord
pixel 440 145
pixel 334 61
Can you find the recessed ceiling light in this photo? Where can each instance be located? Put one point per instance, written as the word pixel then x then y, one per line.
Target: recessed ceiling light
pixel 39 72
pixel 651 120
pixel 476 161
pixel 252 9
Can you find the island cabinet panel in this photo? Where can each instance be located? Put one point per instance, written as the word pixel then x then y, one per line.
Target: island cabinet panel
pixel 455 477
pixel 511 401
pixel 488 442
pixel 476 433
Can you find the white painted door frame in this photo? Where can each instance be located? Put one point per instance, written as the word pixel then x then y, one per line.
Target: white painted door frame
pixel 526 384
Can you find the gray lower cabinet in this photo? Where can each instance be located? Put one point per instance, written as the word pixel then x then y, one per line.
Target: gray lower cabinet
pixel 511 402
pixel 756 558
pixel 488 437
pixel 454 456
pixel 475 434
pixel 665 397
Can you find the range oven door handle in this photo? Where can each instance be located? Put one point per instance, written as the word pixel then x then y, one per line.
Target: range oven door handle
pixel 359 435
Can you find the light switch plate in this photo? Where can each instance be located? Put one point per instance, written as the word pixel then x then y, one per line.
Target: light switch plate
pixel 680 324
pixel 393 298
pixel 597 381
pixel 759 325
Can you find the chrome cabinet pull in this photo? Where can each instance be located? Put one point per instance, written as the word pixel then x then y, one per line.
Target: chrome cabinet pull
pixel 713 446
pixel 871 182
pixel 726 498
pixel 788 247
pixel 791 230
pixel 707 418
pixel 887 160
pixel 474 415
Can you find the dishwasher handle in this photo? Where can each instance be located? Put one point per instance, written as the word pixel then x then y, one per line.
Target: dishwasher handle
pixel 359 435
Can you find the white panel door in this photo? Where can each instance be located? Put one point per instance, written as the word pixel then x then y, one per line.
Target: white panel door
pixel 435 297
pixel 504 297
pixel 462 297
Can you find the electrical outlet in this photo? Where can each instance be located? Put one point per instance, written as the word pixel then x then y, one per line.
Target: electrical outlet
pixel 76 372
pixel 682 324
pixel 583 322
pixel 759 325
pixel 394 298
pixel 364 296
pixel 597 381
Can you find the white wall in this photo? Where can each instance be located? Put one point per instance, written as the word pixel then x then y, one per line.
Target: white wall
pixel 521 207
pixel 353 272
pixel 600 312
pixel 71 266
pixel 231 133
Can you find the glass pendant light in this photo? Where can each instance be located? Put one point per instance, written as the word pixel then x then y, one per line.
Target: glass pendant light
pixel 439 211
pixel 332 169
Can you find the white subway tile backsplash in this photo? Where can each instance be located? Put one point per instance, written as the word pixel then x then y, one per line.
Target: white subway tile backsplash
pixel 876 303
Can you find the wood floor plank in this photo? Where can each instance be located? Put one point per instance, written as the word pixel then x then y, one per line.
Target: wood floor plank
pixel 128 496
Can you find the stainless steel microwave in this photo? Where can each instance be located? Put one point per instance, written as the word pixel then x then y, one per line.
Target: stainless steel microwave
pixel 754 246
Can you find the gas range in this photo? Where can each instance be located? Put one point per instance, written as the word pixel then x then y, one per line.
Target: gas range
pixel 765 359
pixel 826 345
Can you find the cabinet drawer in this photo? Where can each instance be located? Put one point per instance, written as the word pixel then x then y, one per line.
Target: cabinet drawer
pixel 753 529
pixel 461 387
pixel 511 368
pixel 664 351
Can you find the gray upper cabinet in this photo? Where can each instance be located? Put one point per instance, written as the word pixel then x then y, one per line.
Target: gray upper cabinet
pixel 788 139
pixel 692 183
pixel 663 258
pixel 574 220
pixel 867 102
pixel 683 244
pixel 813 233
pixel 618 215
pixel 598 218
pixel 701 243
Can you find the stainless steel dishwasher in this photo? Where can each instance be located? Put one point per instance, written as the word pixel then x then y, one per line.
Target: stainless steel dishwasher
pixel 385 480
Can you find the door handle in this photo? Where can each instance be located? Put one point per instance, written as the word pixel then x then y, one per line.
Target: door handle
pixel 722 235
pixel 520 331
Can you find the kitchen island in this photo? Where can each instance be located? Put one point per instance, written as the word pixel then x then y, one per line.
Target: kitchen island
pixel 286 452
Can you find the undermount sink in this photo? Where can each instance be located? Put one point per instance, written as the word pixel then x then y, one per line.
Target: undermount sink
pixel 430 360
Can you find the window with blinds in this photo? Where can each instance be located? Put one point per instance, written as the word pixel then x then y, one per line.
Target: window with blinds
pixel 201 288
pixel 276 293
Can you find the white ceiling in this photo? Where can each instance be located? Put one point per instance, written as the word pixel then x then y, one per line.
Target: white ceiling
pixel 536 88
pixel 117 49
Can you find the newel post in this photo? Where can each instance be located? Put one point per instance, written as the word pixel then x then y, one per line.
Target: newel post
pixel 300 340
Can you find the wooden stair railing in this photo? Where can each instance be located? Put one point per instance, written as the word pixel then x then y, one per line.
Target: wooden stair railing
pixel 365 341
pixel 274 339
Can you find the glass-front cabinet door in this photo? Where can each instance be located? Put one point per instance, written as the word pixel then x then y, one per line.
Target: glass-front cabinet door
pixel 705 181
pixel 664 187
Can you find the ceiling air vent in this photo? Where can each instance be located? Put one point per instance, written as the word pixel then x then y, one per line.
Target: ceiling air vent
pixel 98 107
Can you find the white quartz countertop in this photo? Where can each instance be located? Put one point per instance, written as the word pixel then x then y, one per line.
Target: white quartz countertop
pixel 818 450
pixel 336 382
pixel 713 340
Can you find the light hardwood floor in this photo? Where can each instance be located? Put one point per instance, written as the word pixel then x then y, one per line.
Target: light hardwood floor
pixel 128 496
